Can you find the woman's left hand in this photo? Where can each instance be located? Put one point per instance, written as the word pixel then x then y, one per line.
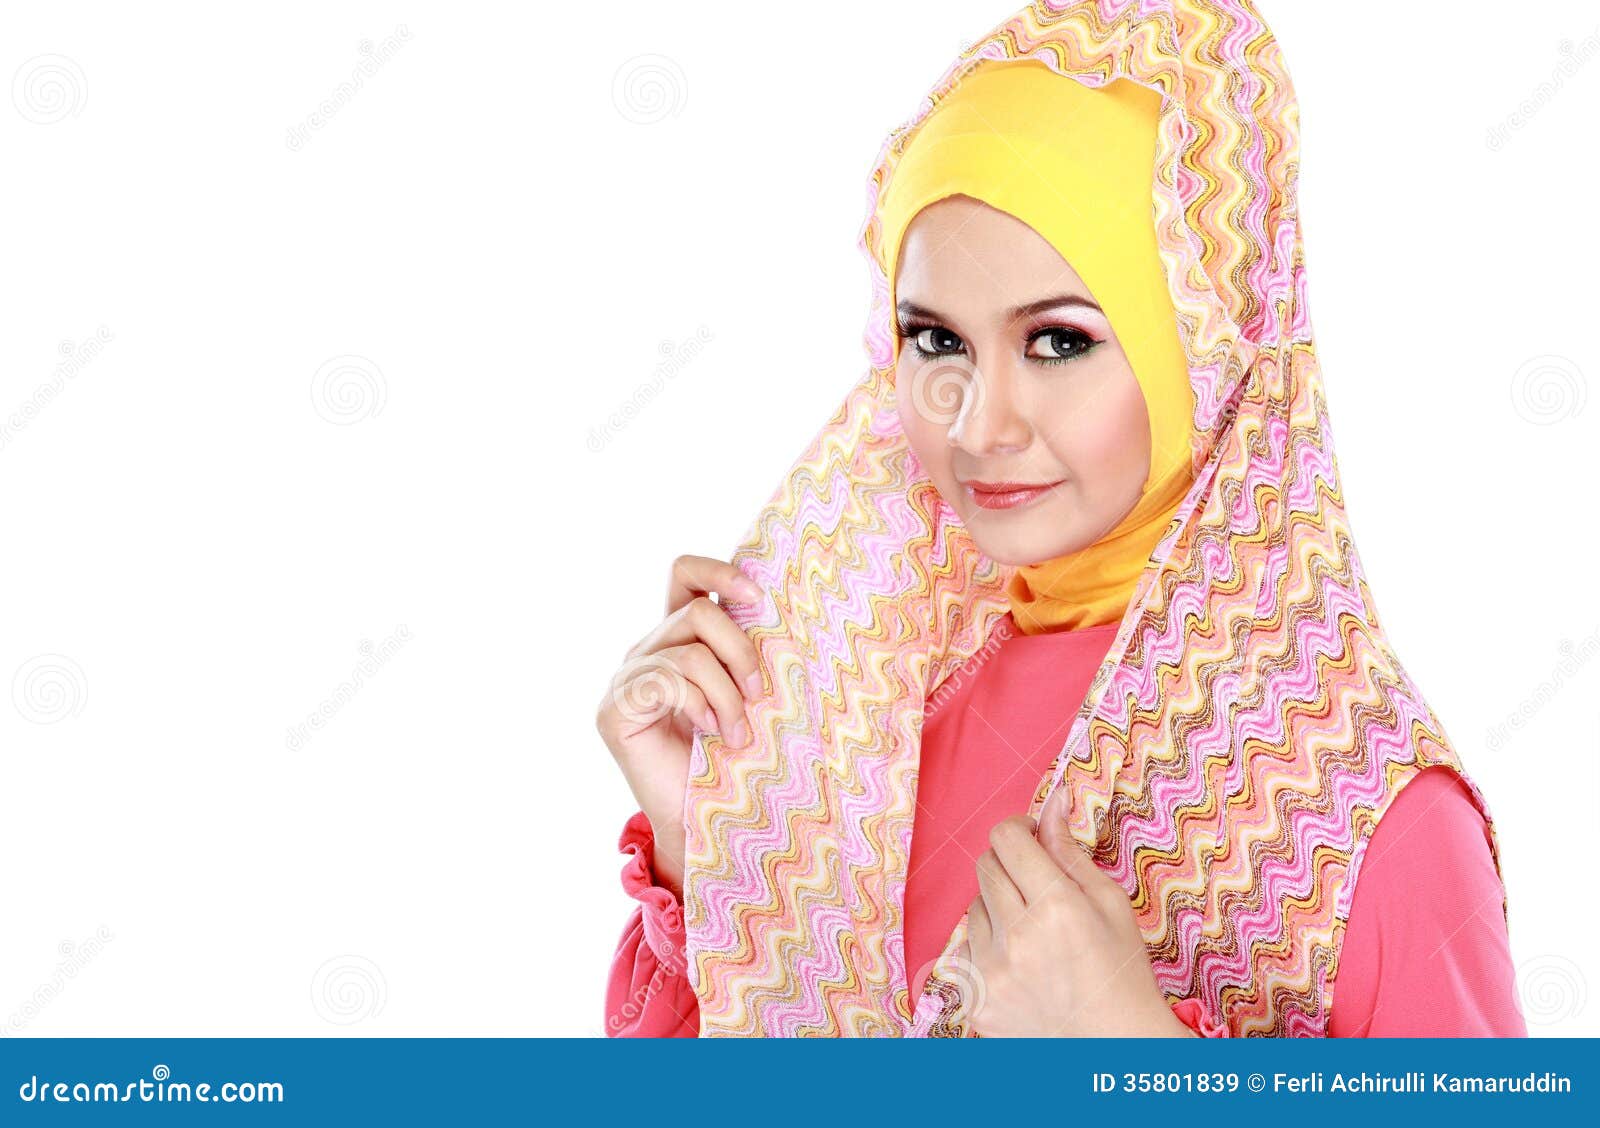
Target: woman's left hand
pixel 1053 943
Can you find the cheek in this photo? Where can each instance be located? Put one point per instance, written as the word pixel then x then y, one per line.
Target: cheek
pixel 1105 439
pixel 927 439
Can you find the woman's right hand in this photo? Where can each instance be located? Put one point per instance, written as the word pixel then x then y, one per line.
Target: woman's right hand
pixel 697 669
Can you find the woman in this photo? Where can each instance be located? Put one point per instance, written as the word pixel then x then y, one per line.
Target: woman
pixel 1075 544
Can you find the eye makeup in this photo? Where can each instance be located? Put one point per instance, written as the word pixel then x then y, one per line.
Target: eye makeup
pixel 1062 343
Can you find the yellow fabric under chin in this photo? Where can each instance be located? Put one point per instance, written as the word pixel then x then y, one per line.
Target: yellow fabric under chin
pixel 1076 164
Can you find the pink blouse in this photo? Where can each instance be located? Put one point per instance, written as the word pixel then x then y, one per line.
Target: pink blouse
pixel 1425 951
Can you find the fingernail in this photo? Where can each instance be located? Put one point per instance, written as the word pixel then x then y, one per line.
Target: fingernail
pixel 708 721
pixel 747 588
pixel 752 682
pixel 737 734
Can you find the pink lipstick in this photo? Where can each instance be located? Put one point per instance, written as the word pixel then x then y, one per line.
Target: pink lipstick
pixel 1007 495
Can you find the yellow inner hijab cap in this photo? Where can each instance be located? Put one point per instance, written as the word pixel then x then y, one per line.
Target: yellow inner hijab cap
pixel 1076 164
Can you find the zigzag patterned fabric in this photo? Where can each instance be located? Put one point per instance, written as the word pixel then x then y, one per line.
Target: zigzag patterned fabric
pixel 1250 723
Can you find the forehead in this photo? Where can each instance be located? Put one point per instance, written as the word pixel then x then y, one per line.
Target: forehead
pixel 963 251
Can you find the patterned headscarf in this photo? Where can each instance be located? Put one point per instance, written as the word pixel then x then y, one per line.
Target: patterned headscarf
pixel 1250 723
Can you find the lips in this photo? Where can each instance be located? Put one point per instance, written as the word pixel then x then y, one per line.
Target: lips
pixel 1007 495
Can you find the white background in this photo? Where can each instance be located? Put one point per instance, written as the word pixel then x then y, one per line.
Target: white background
pixel 505 229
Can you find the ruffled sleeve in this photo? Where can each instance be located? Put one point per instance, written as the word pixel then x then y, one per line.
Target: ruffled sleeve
pixel 1190 1014
pixel 648 994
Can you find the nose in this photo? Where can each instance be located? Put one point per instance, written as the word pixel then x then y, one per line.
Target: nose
pixel 991 419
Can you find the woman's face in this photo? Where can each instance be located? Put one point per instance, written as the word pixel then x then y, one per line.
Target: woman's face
pixel 1013 390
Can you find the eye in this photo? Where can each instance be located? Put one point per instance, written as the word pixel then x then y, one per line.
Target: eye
pixel 1058 345
pixel 934 340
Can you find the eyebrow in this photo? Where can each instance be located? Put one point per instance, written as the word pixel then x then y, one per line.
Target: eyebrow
pixel 912 309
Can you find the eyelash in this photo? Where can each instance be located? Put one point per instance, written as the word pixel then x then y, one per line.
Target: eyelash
pixel 1083 342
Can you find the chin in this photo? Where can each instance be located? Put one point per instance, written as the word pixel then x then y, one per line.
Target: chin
pixel 1015 550
pixel 1014 546
pixel 1018 558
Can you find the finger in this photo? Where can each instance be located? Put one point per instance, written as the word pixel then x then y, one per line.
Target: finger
pixel 963 965
pixel 980 931
pixel 1030 868
pixel 1000 897
pixel 1067 852
pixel 647 689
pixel 961 958
pixel 697 708
pixel 1087 879
pixel 702 575
pixel 1053 833
pixel 701 620
pixel 700 666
